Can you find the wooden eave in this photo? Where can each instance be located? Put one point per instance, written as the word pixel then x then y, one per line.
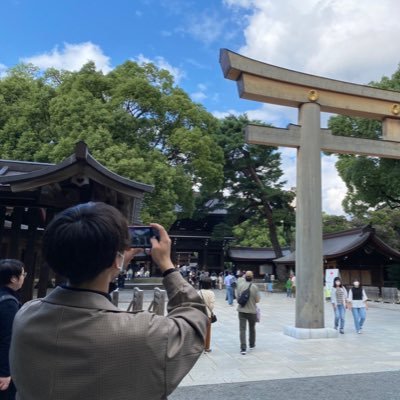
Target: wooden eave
pixel 81 162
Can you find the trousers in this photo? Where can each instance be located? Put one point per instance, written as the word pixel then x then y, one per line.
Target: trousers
pixel 251 319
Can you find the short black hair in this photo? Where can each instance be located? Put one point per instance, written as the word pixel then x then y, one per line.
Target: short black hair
pixel 206 283
pixel 10 268
pixel 82 241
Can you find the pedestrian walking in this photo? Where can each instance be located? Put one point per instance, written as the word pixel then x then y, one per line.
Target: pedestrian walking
pixel 214 279
pixel 358 304
pixel 338 300
pixel 248 312
pixel 288 286
pixel 293 279
pixel 268 283
pixel 230 284
pixel 220 280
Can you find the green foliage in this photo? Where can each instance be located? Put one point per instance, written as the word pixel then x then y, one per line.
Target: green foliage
pixel 371 182
pixel 386 222
pixel 255 233
pixel 253 189
pixel 134 120
pixel 336 223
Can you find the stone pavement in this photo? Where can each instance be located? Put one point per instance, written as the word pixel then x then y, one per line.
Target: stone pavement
pixel 279 357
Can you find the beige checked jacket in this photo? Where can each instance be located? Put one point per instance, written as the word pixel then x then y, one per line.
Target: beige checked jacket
pixel 75 345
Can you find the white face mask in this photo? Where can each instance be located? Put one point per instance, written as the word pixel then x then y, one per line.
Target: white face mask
pixel 122 255
pixel 356 284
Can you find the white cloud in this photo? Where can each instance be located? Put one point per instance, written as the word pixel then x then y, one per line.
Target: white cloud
pixel 198 96
pixel 162 63
pixel 72 57
pixel 267 113
pixel 3 70
pixel 206 27
pixel 333 188
pixel 201 94
pixel 344 39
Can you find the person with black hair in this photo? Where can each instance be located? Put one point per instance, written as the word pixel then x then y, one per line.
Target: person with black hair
pixel 75 343
pixel 358 304
pixel 338 300
pixel 12 277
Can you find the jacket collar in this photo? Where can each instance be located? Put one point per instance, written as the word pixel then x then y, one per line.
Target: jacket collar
pixel 80 299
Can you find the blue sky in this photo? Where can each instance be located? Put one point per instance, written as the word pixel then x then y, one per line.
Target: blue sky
pixel 343 39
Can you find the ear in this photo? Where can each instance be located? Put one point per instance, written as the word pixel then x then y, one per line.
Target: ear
pixel 115 263
pixel 14 279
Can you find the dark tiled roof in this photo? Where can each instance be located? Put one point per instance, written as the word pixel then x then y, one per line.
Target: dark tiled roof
pixel 21 175
pixel 253 254
pixel 341 243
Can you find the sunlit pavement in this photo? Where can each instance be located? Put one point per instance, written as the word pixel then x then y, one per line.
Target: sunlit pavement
pixel 278 356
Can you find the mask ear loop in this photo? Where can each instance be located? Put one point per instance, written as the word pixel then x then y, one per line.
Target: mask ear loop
pixel 121 266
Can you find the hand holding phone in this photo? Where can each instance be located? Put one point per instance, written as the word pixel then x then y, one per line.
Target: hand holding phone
pixel 141 235
pixel 161 250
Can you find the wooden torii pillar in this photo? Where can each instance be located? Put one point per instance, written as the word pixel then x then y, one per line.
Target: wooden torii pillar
pixel 311 95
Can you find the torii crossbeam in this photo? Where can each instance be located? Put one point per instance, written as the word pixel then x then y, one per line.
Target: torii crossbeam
pixel 311 95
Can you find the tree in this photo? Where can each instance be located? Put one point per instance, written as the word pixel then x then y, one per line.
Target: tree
pixel 337 223
pixel 252 187
pixel 135 120
pixel 386 222
pixel 370 181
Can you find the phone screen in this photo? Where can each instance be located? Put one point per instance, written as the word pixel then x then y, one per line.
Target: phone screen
pixel 140 236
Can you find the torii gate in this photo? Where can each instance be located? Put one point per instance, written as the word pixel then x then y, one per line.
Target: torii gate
pixel 311 95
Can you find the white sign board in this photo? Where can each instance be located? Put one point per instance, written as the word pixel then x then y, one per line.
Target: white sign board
pixel 330 275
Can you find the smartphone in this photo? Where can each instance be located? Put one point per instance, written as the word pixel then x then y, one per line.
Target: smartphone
pixel 141 235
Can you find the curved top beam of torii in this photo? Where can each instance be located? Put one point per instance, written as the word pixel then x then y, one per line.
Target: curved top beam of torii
pixel 271 84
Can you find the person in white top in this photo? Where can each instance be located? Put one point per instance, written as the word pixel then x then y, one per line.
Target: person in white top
pixel 208 297
pixel 358 304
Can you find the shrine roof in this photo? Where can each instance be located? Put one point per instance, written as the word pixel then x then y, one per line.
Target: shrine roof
pixel 249 254
pixel 19 176
pixel 345 242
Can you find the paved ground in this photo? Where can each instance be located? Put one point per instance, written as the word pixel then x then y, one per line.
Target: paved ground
pixel 376 386
pixel 278 359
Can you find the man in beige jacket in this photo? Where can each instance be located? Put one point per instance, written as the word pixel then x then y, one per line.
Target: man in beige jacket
pixel 75 344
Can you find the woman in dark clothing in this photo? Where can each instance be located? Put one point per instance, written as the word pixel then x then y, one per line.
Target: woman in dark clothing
pixel 12 277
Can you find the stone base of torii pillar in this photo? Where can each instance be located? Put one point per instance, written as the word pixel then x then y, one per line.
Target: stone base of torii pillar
pixel 302 333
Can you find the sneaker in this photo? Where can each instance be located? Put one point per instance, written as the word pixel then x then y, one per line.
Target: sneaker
pixel 341 331
pixel 207 351
pixel 359 332
pixel 252 348
pixel 243 352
